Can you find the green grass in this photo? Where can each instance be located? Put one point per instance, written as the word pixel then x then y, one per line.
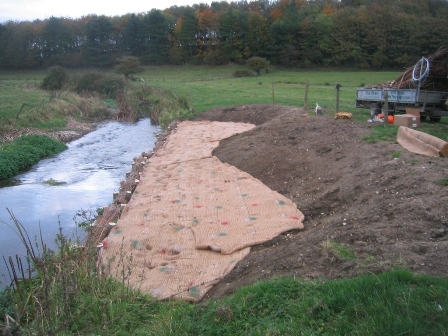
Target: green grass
pixel 17 98
pixel 382 132
pixel 24 152
pixel 68 296
pixel 392 303
pixel 338 250
pixel 209 87
pixel 443 181
pixel 396 154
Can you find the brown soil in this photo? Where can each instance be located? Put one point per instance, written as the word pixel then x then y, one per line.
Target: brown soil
pixel 389 212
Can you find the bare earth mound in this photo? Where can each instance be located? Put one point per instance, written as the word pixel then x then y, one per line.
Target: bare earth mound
pixel 389 212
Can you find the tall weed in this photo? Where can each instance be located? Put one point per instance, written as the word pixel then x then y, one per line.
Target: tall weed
pixel 66 294
pixel 161 106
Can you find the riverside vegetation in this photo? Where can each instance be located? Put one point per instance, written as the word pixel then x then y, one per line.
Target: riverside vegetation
pixel 65 294
pixel 26 151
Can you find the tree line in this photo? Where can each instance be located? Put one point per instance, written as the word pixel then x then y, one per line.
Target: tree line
pixel 365 34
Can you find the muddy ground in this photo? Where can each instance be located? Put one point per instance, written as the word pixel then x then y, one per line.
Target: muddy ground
pixel 388 211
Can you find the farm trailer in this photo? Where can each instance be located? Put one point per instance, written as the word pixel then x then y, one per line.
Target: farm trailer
pixel 432 104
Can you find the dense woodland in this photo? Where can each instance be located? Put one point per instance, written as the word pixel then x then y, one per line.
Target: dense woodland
pixel 365 34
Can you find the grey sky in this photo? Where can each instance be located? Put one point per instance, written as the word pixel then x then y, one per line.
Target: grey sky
pixel 30 10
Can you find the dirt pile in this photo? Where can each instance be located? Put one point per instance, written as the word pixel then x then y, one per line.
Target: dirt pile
pixel 387 210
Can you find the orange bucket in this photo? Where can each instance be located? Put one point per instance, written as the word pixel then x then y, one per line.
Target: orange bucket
pixel 390 119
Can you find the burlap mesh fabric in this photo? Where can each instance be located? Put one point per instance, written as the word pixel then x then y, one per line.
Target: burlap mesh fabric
pixel 192 217
pixel 421 143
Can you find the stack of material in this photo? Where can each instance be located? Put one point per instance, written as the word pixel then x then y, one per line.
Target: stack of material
pixel 436 79
pixel 192 217
pixel 421 143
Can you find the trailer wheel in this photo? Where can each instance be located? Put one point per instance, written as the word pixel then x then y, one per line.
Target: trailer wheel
pixel 435 119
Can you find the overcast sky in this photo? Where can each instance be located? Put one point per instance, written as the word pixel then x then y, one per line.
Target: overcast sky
pixel 30 10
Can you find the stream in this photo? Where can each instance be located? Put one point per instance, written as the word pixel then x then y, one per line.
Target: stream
pixel 83 178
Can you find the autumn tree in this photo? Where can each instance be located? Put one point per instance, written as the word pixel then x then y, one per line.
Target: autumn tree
pixel 187 34
pixel 131 40
pixel 207 39
pixel 233 35
pixel 368 34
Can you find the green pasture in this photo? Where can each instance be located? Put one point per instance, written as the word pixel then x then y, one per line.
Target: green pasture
pixel 208 87
pixel 16 93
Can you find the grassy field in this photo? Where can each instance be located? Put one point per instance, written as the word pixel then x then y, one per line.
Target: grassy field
pixel 393 303
pixel 207 87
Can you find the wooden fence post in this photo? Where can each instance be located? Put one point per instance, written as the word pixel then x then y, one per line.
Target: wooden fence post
pixel 337 87
pixel 306 95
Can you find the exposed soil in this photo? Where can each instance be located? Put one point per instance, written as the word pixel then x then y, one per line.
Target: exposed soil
pixel 388 211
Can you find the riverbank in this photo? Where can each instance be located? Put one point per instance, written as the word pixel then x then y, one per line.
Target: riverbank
pixel 112 212
pixel 368 208
pixel 72 131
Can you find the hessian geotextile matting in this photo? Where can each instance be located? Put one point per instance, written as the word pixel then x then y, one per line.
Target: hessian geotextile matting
pixel 192 217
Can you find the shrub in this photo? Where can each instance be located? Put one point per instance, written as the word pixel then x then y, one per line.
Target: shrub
pixel 56 79
pixel 99 83
pixel 8 167
pixel 242 73
pixel 47 145
pixel 257 63
pixel 129 65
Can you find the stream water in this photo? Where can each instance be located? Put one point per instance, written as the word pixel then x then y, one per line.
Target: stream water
pixel 82 178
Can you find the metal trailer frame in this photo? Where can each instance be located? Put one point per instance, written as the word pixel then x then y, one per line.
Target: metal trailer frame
pixel 431 104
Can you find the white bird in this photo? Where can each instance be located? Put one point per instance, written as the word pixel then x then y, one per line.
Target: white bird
pixel 318 109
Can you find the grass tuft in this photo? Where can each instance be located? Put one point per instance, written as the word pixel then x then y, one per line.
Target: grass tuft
pixel 443 181
pixel 382 132
pixel 396 154
pixel 338 250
